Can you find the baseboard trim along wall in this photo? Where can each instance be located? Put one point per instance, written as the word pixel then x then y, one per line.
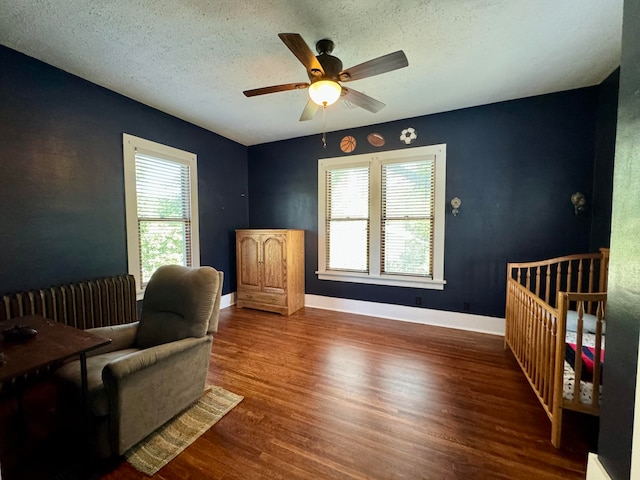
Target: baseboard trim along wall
pixel 228 300
pixel 425 316
pixel 595 470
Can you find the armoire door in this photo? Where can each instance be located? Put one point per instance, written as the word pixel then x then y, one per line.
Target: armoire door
pixel 274 263
pixel 248 252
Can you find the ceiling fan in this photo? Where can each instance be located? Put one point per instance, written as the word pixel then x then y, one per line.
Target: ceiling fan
pixel 325 74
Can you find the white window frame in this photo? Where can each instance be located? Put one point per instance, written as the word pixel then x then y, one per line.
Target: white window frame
pixel 374 276
pixel 131 145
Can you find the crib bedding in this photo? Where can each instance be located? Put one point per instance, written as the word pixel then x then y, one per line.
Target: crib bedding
pixel 589 322
pixel 586 388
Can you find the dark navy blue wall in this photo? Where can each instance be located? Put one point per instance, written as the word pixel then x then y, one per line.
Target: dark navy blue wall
pixel 600 204
pixel 61 177
pixel 514 165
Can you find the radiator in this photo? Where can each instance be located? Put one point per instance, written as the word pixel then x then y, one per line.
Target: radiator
pixel 94 303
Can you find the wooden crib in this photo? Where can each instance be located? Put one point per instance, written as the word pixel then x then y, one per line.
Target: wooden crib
pixel 543 299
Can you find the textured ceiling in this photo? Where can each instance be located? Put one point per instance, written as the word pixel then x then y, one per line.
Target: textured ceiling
pixel 193 58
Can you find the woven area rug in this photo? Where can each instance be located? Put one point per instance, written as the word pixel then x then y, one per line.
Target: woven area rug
pixel 163 445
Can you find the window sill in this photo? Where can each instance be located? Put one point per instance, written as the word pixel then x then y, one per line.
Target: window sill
pixel 391 280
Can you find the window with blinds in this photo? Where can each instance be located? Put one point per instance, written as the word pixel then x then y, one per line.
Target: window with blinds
pixel 347 219
pixel 161 206
pixel 164 213
pixel 381 218
pixel 407 218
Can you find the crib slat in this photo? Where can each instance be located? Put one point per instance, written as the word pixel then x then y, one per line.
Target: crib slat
pixel 550 367
pixel 545 359
pixel 577 370
pixel 533 372
pixel 558 366
pixel 590 305
pixel 595 395
pixel 579 280
pixel 604 269
pixel 557 286
pixel 548 284
pixel 551 355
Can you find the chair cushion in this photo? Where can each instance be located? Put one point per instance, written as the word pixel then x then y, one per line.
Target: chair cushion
pixel 178 303
pixel 69 375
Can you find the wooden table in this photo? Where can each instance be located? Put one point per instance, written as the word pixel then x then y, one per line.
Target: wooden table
pixel 54 342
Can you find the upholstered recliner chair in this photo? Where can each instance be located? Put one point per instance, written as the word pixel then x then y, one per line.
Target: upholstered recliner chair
pixel 153 369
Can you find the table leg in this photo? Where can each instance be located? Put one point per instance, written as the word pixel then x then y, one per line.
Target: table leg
pixel 20 398
pixel 85 393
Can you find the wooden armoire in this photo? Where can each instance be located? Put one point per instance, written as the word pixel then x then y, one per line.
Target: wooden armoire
pixel 270 269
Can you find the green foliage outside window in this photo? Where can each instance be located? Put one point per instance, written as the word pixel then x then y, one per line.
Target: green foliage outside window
pixel 163 235
pixel 161 243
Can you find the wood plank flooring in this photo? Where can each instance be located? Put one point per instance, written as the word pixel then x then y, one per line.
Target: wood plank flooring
pixel 330 395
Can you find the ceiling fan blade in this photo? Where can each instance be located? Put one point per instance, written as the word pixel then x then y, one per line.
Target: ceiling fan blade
pixel 309 111
pixel 348 104
pixel 384 64
pixel 302 52
pixel 362 100
pixel 275 88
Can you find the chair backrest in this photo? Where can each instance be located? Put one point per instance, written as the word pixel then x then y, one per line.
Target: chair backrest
pixel 179 302
pixel 215 314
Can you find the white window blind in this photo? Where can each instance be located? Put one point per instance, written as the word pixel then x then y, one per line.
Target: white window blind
pixel 161 197
pixel 347 218
pixel 407 218
pixel 381 218
pixel 164 213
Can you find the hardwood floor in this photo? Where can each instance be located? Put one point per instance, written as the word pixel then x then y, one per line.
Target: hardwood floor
pixel 330 395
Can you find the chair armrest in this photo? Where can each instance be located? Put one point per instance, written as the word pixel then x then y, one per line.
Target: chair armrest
pixel 122 336
pixel 135 362
pixel 148 387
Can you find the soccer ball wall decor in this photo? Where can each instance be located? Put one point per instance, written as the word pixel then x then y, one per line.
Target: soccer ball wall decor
pixel 408 135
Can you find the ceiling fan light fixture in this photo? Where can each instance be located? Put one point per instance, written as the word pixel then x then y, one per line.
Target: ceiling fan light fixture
pixel 325 92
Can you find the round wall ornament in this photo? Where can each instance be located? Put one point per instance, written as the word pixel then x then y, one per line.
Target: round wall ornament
pixel 348 144
pixel 375 139
pixel 408 135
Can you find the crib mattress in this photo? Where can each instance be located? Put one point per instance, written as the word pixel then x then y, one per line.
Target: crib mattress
pixel 586 388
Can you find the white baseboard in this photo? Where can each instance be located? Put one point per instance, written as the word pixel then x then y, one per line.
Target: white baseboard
pixel 425 316
pixel 595 470
pixel 228 300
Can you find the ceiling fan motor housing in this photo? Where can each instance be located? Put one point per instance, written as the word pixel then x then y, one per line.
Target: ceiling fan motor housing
pixel 331 65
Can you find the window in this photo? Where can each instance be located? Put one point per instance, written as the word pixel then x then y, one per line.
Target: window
pixel 161 205
pixel 381 218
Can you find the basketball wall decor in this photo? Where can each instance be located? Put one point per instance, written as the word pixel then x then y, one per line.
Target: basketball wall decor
pixel 348 144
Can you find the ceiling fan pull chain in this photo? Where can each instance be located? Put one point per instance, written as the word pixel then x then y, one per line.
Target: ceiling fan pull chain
pixel 324 129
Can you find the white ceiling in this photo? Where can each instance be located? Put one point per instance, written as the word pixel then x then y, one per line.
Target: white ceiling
pixel 193 58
